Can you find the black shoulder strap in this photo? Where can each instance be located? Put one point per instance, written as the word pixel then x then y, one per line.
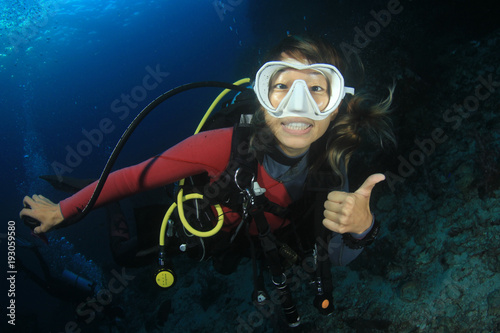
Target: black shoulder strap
pixel 240 171
pixel 243 105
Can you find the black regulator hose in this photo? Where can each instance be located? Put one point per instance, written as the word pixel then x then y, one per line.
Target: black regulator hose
pixel 130 129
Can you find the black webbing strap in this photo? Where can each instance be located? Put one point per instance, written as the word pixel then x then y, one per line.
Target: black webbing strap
pixel 324 281
pixel 269 246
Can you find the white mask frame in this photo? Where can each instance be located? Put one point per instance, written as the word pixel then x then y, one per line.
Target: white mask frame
pixel 299 102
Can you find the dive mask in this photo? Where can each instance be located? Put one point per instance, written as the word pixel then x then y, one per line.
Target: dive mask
pixel 298 101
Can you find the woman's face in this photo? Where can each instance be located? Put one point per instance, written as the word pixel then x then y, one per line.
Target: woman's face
pixel 296 134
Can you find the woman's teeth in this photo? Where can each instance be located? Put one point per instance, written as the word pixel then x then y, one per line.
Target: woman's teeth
pixel 297 126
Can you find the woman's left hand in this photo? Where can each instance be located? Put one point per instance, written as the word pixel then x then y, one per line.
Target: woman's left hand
pixel 350 212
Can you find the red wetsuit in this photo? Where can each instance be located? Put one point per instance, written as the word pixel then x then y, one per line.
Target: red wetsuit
pixel 205 152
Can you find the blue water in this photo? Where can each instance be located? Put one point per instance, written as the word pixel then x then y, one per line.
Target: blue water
pixel 63 73
pixel 64 63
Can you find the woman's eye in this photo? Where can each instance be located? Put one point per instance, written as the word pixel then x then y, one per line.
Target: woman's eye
pixel 280 86
pixel 316 88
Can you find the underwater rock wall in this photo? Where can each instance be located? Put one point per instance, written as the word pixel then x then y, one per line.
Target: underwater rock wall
pixel 435 266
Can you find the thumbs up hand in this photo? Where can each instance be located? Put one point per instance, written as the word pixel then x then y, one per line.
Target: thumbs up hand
pixel 350 212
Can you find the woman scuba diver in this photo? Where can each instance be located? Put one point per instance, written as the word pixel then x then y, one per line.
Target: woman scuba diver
pixel 307 124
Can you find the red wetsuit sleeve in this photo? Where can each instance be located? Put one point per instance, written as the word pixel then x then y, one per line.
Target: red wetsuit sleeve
pixel 205 152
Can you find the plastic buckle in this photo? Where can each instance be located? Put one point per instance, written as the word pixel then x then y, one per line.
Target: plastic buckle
pixel 256 189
